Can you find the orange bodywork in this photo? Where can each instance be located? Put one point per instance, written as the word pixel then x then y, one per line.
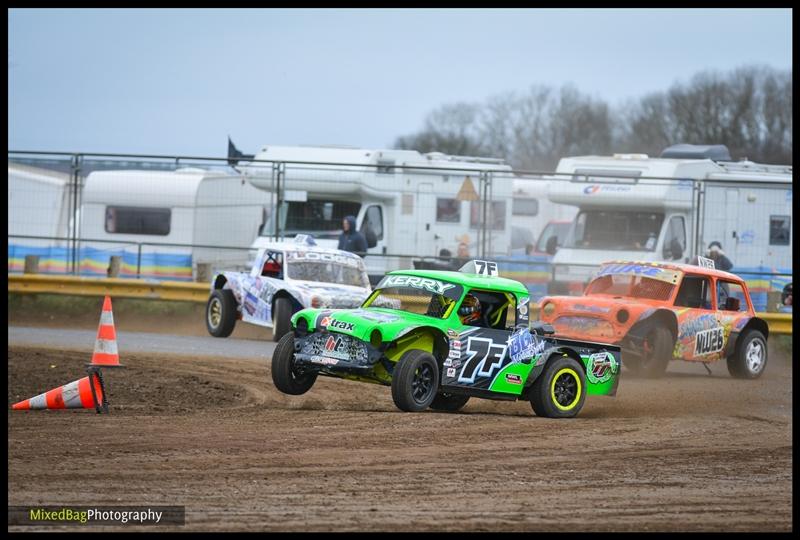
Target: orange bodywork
pixel 625 297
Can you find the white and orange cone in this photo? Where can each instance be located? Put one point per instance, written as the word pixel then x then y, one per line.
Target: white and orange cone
pixel 75 395
pixel 106 353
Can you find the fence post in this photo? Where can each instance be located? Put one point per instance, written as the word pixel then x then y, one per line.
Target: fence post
pixel 203 272
pixel 31 264
pixel 138 260
pixel 113 266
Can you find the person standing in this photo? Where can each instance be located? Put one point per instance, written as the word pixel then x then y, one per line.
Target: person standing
pixel 715 253
pixel 351 240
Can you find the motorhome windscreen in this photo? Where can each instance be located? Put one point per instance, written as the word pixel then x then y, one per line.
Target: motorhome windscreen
pixel 617 230
pixel 630 286
pixel 559 230
pixel 320 218
pixel 327 272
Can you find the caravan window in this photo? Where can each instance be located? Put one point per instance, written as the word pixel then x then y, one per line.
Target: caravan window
pixel 525 207
pixel 779 230
pixel 495 214
pixel 131 220
pixel 618 230
pixel 448 210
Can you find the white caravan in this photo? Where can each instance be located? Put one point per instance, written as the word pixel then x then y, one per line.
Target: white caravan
pixel 38 205
pixel 531 213
pixel 405 206
pixel 186 206
pixel 624 215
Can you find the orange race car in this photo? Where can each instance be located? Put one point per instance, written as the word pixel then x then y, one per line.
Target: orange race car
pixel 657 312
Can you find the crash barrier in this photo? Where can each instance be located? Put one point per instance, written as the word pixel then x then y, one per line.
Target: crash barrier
pixel 779 323
pixel 116 287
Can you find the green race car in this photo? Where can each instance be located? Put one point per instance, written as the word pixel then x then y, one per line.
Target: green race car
pixel 447 336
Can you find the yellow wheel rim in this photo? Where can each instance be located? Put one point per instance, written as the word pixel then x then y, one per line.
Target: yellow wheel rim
pixel 566 388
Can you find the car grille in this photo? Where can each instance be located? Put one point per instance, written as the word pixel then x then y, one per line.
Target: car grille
pixel 583 326
pixel 333 345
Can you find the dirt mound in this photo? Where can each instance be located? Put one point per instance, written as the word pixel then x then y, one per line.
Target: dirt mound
pixel 145 386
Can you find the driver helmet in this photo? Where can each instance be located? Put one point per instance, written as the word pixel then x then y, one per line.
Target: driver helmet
pixel 470 309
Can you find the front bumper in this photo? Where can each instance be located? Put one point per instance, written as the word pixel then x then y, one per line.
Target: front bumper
pixel 329 351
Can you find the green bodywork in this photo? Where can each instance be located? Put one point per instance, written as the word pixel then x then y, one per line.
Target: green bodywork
pixel 413 331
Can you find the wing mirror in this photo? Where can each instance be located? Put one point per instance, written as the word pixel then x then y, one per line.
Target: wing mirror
pixel 552 245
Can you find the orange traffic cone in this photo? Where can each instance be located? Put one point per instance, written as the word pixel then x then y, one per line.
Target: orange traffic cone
pixel 105 346
pixel 81 394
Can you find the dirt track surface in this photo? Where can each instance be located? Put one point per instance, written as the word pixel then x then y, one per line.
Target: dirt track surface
pixel 687 452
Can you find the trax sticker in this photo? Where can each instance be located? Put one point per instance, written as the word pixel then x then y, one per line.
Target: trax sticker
pixel 430 285
pixel 709 341
pixel 451 372
pixel 325 322
pixel 512 378
pixel 524 345
pixel 486 357
pixel 602 366
pixel 341 325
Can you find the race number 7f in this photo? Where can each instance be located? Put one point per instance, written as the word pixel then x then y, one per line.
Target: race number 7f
pixel 486 268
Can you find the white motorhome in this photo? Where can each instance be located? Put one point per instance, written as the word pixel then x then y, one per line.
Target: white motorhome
pixel 187 206
pixel 403 204
pixel 634 207
pixel 531 213
pixel 38 205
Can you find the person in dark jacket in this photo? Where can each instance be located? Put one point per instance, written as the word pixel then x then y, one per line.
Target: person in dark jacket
pixel 351 240
pixel 721 262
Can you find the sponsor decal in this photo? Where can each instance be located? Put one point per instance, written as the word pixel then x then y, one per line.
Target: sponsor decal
pixel 513 378
pixel 692 326
pixel 596 188
pixel 325 361
pixel 447 363
pixel 325 322
pixel 704 262
pixel 454 354
pixel 602 366
pixel 661 274
pixel 455 362
pixel 523 345
pixel 522 308
pixel 374 316
pixel 427 284
pixel 451 372
pixel 709 341
pixel 341 325
pixel 323 257
pixel 485 358
pixel 250 303
pixel 455 344
pixel 452 333
pixel 335 347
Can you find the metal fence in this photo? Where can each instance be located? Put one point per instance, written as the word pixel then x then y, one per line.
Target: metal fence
pixel 166 216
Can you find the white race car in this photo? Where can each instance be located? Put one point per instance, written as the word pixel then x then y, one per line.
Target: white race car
pixel 285 278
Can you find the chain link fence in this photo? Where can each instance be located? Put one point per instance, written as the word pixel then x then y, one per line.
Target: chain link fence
pixel 183 217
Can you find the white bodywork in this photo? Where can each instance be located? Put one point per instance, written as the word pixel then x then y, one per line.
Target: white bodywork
pixel 255 292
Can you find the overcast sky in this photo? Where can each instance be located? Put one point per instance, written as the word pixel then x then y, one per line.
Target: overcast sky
pixel 180 81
